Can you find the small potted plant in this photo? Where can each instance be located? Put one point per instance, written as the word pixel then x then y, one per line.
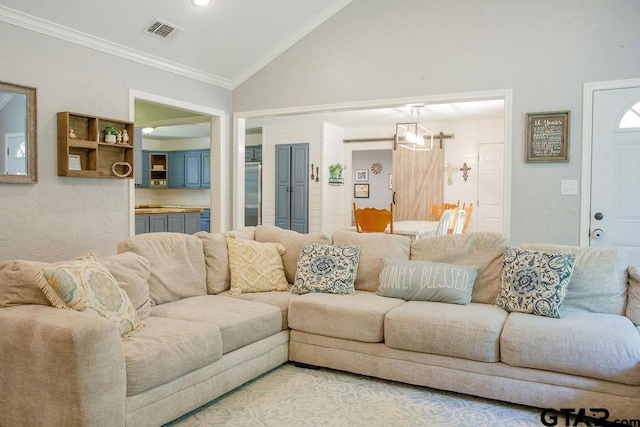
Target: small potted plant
pixel 335 173
pixel 110 134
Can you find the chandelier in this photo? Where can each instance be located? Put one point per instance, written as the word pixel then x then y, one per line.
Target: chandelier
pixel 413 135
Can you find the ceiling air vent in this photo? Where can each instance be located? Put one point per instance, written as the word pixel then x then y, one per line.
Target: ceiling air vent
pixel 162 29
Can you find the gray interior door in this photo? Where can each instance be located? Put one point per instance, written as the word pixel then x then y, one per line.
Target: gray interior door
pixel 292 187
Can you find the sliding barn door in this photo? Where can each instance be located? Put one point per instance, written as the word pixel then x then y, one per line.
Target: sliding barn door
pixel 418 176
pixel 292 187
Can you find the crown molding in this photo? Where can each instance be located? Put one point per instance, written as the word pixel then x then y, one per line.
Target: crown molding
pixel 51 29
pixel 290 41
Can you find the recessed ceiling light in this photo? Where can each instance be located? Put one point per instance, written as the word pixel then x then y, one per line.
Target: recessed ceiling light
pixel 201 2
pixel 147 130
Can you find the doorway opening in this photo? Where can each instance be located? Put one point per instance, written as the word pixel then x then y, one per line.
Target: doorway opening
pixel 209 125
pixel 321 118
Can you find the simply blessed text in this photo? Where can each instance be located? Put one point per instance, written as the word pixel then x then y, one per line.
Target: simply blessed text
pixel 426 277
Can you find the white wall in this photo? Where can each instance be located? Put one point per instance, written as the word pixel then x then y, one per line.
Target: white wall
pixel 291 133
pixel 60 218
pixel 544 51
pixel 464 149
pixel 333 207
pixel 379 193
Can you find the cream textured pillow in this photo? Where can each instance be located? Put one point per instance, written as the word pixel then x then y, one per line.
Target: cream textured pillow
pixel 255 266
pixel 86 285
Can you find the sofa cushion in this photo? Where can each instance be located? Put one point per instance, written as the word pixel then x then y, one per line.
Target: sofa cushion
pixel 633 304
pixel 177 264
pixel 358 317
pixel 427 281
pixel 240 322
pixel 534 282
pixel 466 331
pixel 132 273
pixel 484 250
pixel 595 345
pixel 326 268
pixel 276 299
pixel 18 283
pixel 373 248
pixel 255 266
pixel 167 348
pixel 216 257
pixel 599 280
pixel 86 285
pixel 292 242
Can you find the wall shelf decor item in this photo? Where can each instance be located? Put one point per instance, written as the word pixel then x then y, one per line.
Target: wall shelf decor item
pixel 362 175
pixel 547 137
pixel 18 139
pixel 335 174
pixel 83 149
pixel 361 191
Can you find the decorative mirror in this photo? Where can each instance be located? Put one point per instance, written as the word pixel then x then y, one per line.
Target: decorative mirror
pixel 18 146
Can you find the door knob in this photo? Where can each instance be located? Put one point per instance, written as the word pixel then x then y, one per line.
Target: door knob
pixel 598 216
pixel 597 233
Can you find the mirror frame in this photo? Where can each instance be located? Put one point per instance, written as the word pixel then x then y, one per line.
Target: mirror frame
pixel 31 128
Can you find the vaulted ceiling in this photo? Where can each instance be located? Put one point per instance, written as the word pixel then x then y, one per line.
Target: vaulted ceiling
pixel 222 43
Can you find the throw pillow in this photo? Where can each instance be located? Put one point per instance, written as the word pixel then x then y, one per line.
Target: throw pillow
pixel 326 268
pixel 534 282
pixel 427 281
pixel 86 285
pixel 255 266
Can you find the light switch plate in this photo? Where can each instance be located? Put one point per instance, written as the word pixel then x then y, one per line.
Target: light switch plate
pixel 568 187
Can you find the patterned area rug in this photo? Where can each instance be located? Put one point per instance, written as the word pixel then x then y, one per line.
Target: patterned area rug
pixel 294 396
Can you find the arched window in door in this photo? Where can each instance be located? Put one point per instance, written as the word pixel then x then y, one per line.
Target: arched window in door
pixel 630 119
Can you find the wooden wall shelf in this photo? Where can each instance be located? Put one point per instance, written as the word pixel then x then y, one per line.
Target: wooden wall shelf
pixel 88 155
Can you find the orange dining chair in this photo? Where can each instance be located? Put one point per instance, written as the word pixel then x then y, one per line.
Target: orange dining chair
pixel 468 211
pixel 372 220
pixel 437 209
pixel 458 225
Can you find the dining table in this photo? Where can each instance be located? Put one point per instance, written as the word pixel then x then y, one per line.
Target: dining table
pixel 415 229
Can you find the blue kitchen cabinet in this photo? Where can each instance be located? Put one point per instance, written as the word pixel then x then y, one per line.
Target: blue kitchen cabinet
pixel 189 169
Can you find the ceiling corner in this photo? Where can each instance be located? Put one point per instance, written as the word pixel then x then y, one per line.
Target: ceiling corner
pixel 277 50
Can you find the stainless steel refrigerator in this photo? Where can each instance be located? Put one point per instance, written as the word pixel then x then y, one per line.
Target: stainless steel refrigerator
pixel 252 193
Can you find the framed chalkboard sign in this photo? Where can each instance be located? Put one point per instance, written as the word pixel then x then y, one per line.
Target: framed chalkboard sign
pixel 547 137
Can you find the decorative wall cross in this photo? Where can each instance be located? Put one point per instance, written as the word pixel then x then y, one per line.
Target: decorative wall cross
pixel 450 170
pixel 465 171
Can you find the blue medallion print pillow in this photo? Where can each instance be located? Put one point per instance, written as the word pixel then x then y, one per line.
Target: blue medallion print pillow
pixel 534 282
pixel 326 268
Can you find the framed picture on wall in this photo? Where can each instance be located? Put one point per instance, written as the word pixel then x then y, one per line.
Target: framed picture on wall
pixel 362 175
pixel 361 191
pixel 547 137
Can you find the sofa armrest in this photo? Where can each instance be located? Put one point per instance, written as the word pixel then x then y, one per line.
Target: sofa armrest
pixel 60 367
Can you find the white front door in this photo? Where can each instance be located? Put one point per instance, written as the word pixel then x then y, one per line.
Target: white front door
pixel 615 171
pixel 490 187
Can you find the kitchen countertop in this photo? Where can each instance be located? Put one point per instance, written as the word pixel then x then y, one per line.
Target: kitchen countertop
pixel 167 209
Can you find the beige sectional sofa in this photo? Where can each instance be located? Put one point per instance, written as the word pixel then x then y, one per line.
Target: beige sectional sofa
pixel 198 341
